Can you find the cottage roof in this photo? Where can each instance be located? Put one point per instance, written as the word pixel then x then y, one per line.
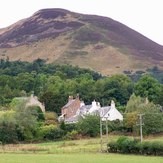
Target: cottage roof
pixel 85 107
pixel 69 103
pixel 104 110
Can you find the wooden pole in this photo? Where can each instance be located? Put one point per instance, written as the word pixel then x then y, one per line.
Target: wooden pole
pixel 141 127
pixel 101 132
pixel 107 130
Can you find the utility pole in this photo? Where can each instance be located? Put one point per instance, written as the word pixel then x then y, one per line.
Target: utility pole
pixel 141 127
pixel 107 130
pixel 101 132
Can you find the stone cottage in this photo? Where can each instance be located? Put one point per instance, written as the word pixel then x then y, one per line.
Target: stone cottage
pixel 32 101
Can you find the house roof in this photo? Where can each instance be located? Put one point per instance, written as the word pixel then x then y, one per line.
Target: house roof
pixel 104 110
pixel 69 103
pixel 84 109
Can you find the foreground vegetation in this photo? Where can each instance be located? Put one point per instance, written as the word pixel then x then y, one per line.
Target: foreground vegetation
pixel 87 145
pixel 134 146
pixel 78 151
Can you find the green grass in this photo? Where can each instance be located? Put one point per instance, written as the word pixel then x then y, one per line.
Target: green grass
pixel 72 151
pixel 77 158
pixel 91 145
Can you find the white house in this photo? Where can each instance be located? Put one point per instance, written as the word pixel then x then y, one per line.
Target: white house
pixel 110 113
pixel 106 113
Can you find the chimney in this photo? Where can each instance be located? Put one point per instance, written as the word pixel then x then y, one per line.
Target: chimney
pixel 77 96
pixel 70 98
pixel 112 104
pixel 82 103
pixel 94 103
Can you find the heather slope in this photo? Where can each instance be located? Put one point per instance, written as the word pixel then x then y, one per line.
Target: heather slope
pixel 90 41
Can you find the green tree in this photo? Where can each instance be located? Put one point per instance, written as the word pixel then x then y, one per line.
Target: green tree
pixel 89 125
pixel 85 88
pixel 149 87
pixel 26 121
pixel 117 87
pixel 8 132
pixel 152 115
pixel 159 99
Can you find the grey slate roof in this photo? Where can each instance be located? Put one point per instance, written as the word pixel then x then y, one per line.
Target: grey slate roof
pixel 84 109
pixel 104 110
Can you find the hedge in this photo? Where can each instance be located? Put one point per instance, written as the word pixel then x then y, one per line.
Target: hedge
pixel 134 146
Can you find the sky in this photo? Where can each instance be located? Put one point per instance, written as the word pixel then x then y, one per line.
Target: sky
pixel 144 16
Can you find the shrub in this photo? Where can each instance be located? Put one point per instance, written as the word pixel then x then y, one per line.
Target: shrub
pixel 51 132
pixel 151 148
pixel 67 127
pixel 8 133
pixel 128 145
pixel 50 118
pixel 73 135
pixel 43 130
pixel 54 134
pixel 37 112
pixel 112 147
pixel 70 127
pixel 89 125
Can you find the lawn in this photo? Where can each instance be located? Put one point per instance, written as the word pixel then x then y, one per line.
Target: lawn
pixel 77 151
pixel 77 158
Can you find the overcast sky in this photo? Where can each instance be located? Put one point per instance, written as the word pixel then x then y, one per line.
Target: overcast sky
pixel 144 16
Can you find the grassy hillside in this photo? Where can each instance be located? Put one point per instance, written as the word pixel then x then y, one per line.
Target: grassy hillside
pixel 88 41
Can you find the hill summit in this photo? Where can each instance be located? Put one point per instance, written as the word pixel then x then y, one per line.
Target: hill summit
pixel 90 41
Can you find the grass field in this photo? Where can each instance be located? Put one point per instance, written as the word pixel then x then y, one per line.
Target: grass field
pixel 59 147
pixel 73 151
pixel 77 158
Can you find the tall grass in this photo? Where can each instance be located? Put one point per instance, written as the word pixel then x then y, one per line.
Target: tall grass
pixel 68 146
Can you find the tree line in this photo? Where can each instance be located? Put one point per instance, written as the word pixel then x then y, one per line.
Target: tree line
pixel 54 83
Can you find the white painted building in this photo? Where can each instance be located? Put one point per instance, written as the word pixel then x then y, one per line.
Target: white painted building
pixel 110 113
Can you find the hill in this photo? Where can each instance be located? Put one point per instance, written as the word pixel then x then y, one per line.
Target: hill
pixel 89 41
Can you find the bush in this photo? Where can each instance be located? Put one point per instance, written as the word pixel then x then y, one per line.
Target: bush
pixel 151 148
pixel 51 132
pixel 37 112
pixel 68 127
pixel 89 125
pixel 114 126
pixel 133 146
pixel 112 147
pixel 73 135
pixel 51 118
pixel 8 133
